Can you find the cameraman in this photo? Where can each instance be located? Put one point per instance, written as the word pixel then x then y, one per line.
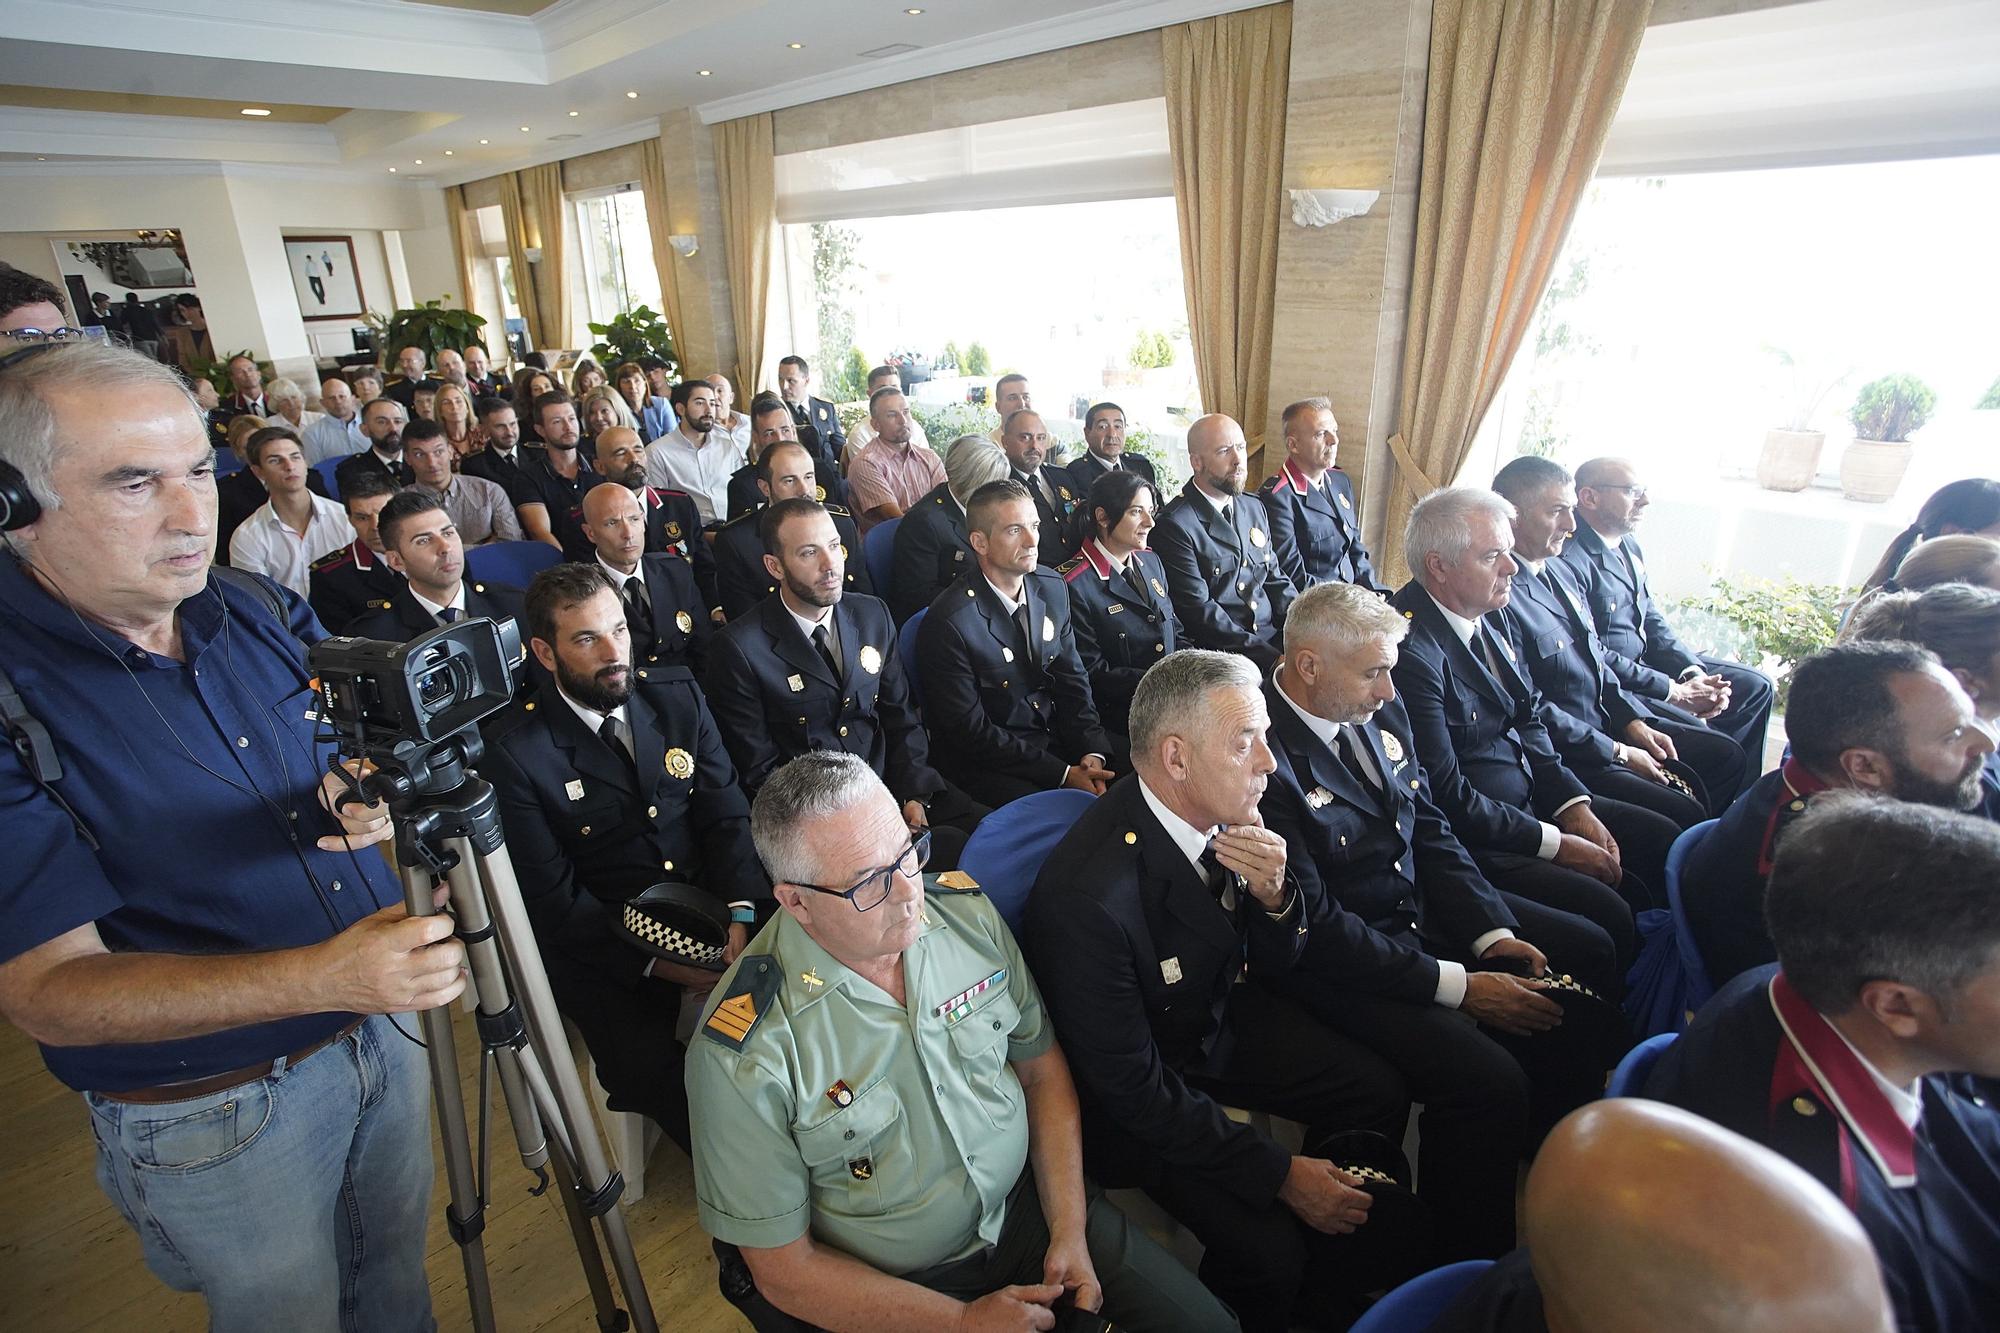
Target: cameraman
pixel 199 948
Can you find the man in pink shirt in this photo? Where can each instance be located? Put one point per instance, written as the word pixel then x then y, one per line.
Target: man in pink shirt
pixel 892 472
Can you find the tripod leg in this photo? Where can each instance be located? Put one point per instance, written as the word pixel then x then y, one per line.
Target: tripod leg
pixel 465 1216
pixel 499 1028
pixel 610 1318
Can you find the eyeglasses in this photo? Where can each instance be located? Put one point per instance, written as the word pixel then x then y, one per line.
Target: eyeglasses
pixel 1636 492
pixel 61 335
pixel 872 889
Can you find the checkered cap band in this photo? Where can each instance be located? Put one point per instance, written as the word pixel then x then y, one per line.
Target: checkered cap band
pixel 668 941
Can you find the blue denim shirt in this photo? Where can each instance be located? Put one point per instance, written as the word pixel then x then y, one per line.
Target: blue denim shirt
pixel 188 864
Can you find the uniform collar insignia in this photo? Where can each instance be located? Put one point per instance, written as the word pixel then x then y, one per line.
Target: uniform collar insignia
pixel 1821 1061
pixel 1801 784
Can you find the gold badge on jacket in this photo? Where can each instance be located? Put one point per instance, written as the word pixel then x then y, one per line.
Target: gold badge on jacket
pixel 1157 588
pixel 819 494
pixel 680 765
pixel 1048 629
pixel 871 659
pixel 1392 747
pixel 673 531
pixel 684 622
pixel 1257 537
pixel 796 682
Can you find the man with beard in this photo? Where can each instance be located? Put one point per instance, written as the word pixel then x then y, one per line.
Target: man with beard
pixel 1314 529
pixel 479 507
pixel 668 624
pixel 694 456
pixel 769 422
pixel 451 370
pixel 1885 718
pixel 673 524
pixel 549 494
pixel 382 421
pixel 1222 571
pixel 784 471
pixel 609 784
pixel 892 471
pixel 498 459
pixel 1025 441
pixel 421 543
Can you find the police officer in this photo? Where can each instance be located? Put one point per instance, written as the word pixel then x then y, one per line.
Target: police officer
pixel 346 584
pixel 673 523
pixel 784 471
pixel 664 615
pixel 1025 440
pixel 1118 599
pixel 382 421
pixel 1104 449
pixel 771 422
pixel 1314 528
pixel 1004 693
pixel 931 550
pixel 869 1085
pixel 1215 541
pixel 611 781
pixel 420 541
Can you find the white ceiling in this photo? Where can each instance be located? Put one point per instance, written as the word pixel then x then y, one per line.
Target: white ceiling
pixel 426 82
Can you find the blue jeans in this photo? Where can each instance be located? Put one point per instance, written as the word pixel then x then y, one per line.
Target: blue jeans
pixel 296 1202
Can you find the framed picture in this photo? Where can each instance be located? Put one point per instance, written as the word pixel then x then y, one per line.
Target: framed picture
pixel 324 277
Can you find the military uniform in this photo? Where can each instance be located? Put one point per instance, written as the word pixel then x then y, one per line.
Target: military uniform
pixel 741 581
pixel 669 625
pixel 346 584
pixel 368 462
pixel 1124 623
pixel 587 828
pixel 1223 576
pixel 1007 715
pixel 745 498
pixel 897 1133
pixel 1723 880
pixel 931 552
pixel 1314 530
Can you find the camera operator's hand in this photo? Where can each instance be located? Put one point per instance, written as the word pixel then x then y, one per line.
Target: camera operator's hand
pixel 364 825
pixel 391 963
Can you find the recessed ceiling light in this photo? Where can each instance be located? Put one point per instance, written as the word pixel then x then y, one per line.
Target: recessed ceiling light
pixel 41 159
pixel 256 111
pixel 486 141
pixel 524 129
pixel 796 46
pixel 447 152
pixel 704 72
pixel 631 94
pixel 913 11
pixel 392 170
pixel 419 162
pixel 576 113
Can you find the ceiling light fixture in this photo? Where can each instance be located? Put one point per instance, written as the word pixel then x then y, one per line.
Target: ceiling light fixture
pixel 704 72
pixel 392 171
pixel 796 46
pixel 447 152
pixel 524 129
pixel 418 162
pixel 576 113
pixel 256 111
pixel 486 141
pixel 631 94
pixel 913 12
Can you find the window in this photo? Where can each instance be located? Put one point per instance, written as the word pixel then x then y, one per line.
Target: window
pixel 492 295
pixel 613 267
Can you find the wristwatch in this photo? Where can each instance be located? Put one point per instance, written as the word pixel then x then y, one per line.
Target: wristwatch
pixel 1690 673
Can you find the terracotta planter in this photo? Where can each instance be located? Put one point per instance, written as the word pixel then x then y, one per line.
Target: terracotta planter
pixel 1789 459
pixel 1871 470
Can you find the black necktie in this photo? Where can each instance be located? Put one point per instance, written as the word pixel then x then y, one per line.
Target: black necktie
pixel 1221 879
pixel 638 616
pixel 613 735
pixel 1487 651
pixel 1037 488
pixel 1357 765
pixel 824 642
pixel 449 614
pixel 1027 634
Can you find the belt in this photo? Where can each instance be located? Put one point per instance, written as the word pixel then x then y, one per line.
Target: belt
pixel 202 1087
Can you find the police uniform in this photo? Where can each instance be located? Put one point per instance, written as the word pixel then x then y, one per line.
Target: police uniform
pixel 818 424
pixel 1761 1061
pixel 370 463
pixel 898 1133
pixel 1314 529
pixel 1054 509
pixel 490 465
pixel 1723 880
pixel 931 552
pixel 348 583
pixel 741 581
pixel 673 527
pixel 1124 623
pixel 587 828
pixel 669 625
pixel 744 497
pixel 1087 467
pixel 404 618
pixel 1222 574
pixel 1008 715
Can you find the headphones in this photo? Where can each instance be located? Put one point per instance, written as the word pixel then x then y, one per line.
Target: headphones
pixel 18 505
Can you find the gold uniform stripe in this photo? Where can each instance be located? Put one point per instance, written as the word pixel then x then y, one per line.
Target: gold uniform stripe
pixel 734 1017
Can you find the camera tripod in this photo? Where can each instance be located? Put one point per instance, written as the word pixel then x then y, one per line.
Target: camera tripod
pixel 447 824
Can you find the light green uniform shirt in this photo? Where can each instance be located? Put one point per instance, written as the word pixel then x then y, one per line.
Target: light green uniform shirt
pixel 914 1169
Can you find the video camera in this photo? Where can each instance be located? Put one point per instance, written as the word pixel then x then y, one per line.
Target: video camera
pixel 381 697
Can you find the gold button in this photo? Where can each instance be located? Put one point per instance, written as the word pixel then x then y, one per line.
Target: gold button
pixel 1413 784
pixel 586 830
pixel 1131 838
pixel 652 812
pixel 1804 1106
pixel 843 731
pixel 666 865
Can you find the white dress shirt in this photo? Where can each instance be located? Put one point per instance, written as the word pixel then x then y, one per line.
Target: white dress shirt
pixel 703 472
pixel 267 545
pixel 437 610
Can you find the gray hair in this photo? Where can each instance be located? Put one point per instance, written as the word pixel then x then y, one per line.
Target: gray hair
pixel 1343 615
pixel 816 784
pixel 970 462
pixel 284 388
pixel 1442 522
pixel 1293 411
pixel 1174 693
pixel 29 434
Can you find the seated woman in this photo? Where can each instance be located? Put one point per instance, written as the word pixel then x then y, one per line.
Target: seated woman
pixel 1959 558
pixel 288 401
pixel 654 413
pixel 1118 593
pixel 586 376
pixel 601 409
pixel 1968 505
pixel 453 410
pixel 530 383
pixel 1961 624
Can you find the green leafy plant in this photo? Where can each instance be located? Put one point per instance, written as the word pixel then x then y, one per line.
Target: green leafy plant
pixel 432 327
pixel 1151 350
pixel 977 360
pixel 1991 400
pixel 851 380
pixel 851 414
pixel 945 422
pixel 1777 622
pixel 1892 408
pixel 948 359
pixel 637 333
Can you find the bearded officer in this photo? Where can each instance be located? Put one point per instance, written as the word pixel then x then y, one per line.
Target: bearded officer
pixel 784 471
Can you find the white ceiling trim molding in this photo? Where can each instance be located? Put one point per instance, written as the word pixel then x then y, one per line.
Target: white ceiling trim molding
pixel 1119 19
pixel 65 133
pixel 617 137
pixel 108 167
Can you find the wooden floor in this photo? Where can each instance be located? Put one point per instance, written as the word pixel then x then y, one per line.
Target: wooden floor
pixel 69 1262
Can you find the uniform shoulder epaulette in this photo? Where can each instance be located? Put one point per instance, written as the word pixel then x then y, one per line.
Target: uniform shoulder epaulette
pixel 745 1003
pixel 955 881
pixel 1069 567
pixel 838 509
pixel 333 559
pixel 510 720
pixel 673 490
pixel 746 514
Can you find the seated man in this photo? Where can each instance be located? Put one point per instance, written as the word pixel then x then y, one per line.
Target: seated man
pixel 1868 1055
pixel 1025 441
pixel 1604 735
pixel 346 584
pixel 479 508
pixel 1534 829
pixel 931 551
pixel 892 472
pixel 885 1173
pixel 768 422
pixel 1315 531
pixel 1611 570
pixel 1104 450
pixel 784 472
pixel 664 616
pixel 499 458
pixel 1228 588
pixel 1885 718
pixel 1140 925
pixel 696 456
pixel 382 421
pixel 548 496
pixel 609 784
pixel 673 525
pixel 1643 1218
pixel 293 528
pixel 420 542
pixel 1008 705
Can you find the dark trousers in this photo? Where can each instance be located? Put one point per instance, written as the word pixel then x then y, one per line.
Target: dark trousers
pixel 1724 766
pixel 1751 695
pixel 1622 784
pixel 628 1026
pixel 1586 926
pixel 953 816
pixel 1270 1267
pixel 1644 838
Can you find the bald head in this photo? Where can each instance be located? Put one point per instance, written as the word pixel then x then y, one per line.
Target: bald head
pixel 1646 1218
pixel 1218 454
pixel 615 524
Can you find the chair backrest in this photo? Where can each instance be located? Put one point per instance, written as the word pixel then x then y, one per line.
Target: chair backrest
pixel 906 648
pixel 514 563
pixel 1630 1076
pixel 1699 987
pixel 226 461
pixel 1006 851
pixel 878 550
pixel 326 469
pixel 1416 1305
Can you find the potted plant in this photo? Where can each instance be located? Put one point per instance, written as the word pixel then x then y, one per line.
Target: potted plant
pixel 1790 456
pixel 431 327
pixel 1885 414
pixel 639 332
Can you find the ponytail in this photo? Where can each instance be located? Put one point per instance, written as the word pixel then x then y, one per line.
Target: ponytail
pixel 1892 558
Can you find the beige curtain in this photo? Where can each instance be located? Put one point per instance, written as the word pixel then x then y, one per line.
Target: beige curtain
pixel 1226 92
pixel 747 175
pixel 542 195
pixel 460 218
pixel 514 217
pixel 1521 96
pixel 653 180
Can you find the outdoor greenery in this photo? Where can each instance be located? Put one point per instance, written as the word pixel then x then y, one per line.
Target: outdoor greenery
pixel 847 378
pixel 833 269
pixel 432 327
pixel 948 359
pixel 637 333
pixel 945 422
pixel 1780 621
pixel 977 360
pixel 1806 386
pixel 1892 408
pixel 1991 400
pixel 1152 350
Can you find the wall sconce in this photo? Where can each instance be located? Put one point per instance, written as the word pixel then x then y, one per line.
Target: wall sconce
pixel 532 253
pixel 686 246
pixel 1321 208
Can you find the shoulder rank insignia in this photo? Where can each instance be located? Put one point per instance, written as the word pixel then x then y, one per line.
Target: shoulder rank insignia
pixel 748 1000
pixel 1392 747
pixel 955 881
pixel 1069 564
